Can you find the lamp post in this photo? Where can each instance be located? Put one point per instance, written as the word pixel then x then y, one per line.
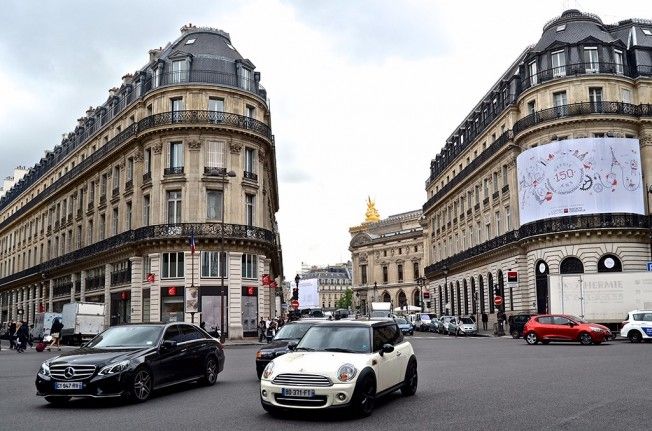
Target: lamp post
pixel 223 175
pixel 421 281
pixel 445 271
pixel 375 287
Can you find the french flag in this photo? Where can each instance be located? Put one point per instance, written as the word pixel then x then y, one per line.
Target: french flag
pixel 192 243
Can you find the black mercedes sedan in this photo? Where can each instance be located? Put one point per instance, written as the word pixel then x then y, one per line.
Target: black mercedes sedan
pixel 291 332
pixel 131 361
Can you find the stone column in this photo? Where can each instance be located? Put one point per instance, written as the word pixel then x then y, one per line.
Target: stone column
pixel 191 271
pixel 12 309
pixel 50 295
pixel 30 304
pixel 108 268
pixel 234 309
pixel 155 288
pixel 73 279
pixel 23 302
pixel 136 289
pixel 82 286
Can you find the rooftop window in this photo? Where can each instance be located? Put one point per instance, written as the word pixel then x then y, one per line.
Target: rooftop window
pixel 190 41
pixel 647 31
pixel 561 27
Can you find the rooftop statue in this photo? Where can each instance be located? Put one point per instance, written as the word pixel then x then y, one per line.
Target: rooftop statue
pixel 371 215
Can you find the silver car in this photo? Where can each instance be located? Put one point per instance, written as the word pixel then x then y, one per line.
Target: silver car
pixel 462 326
pixel 444 321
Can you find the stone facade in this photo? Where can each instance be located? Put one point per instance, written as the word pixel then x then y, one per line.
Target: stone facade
pixel 334 280
pixel 183 149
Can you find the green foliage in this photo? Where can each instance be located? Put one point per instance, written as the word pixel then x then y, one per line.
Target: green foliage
pixel 345 301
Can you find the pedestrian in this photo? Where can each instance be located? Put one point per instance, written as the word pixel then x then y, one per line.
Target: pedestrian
pixel 261 329
pixel 22 332
pixel 12 335
pixel 55 333
pixel 202 325
pixel 485 320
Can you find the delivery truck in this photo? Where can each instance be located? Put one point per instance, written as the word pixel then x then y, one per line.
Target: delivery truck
pixel 82 321
pixel 604 297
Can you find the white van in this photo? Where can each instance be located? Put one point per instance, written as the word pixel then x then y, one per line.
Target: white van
pixel 422 322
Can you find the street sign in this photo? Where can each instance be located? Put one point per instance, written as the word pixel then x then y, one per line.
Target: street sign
pixel 294 303
pixel 498 300
pixel 512 276
pixel 649 266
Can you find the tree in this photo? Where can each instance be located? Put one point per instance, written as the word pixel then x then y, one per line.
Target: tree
pixel 346 300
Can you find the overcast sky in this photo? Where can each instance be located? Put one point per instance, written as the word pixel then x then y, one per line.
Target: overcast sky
pixel 363 93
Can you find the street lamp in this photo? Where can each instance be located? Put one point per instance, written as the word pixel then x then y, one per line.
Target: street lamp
pixel 222 174
pixel 421 281
pixel 445 271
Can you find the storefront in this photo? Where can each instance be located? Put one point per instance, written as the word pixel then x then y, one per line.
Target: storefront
pixel 211 307
pixel 120 308
pixel 172 304
pixel 250 311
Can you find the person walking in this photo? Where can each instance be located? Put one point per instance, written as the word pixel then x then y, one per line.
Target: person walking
pixel 12 335
pixel 55 333
pixel 485 320
pixel 261 330
pixel 23 334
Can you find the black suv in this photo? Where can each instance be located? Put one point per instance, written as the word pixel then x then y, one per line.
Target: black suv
pixel 517 322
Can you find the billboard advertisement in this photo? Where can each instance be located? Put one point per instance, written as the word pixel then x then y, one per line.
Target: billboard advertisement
pixel 579 177
pixel 309 293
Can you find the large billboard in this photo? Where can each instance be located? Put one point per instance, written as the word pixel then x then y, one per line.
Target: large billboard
pixel 580 176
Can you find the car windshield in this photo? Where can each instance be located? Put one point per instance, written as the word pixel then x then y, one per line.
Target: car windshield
pixel 401 321
pixel 336 339
pixel 292 332
pixel 317 313
pixel 425 317
pixel 467 320
pixel 126 336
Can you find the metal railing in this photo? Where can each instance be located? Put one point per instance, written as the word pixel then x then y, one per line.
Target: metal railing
pixel 578 69
pixel 250 176
pixel 174 170
pixel 542 227
pixel 214 171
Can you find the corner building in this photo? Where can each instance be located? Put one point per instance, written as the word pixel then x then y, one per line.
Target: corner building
pixel 182 149
pixel 583 81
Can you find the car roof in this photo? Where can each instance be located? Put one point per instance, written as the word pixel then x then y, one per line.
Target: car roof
pixel 364 322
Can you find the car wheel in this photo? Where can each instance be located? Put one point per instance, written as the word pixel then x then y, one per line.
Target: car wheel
pixel 531 338
pixel 364 398
pixel 57 401
pixel 141 385
pixel 635 336
pixel 585 339
pixel 411 381
pixel 210 373
pixel 514 334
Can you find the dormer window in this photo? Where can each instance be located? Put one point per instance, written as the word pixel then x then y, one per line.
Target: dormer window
pixel 591 59
pixel 561 27
pixel 245 79
pixel 190 41
pixel 533 73
pixel 618 61
pixel 558 59
pixel 179 71
pixel 647 31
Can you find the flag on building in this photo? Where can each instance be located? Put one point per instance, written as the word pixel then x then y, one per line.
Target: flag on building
pixel 192 243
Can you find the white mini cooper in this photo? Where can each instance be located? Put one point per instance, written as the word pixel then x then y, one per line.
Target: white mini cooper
pixel 341 364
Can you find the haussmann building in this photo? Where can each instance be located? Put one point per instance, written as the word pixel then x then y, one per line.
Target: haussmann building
pixel 548 174
pixel 181 151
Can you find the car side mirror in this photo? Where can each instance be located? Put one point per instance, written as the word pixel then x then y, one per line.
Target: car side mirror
pixel 292 346
pixel 387 348
pixel 571 324
pixel 168 345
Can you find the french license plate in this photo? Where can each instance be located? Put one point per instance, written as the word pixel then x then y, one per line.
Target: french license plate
pixel 299 393
pixel 66 386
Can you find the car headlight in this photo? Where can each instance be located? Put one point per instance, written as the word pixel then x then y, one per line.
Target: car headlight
pixel 114 368
pixel 346 373
pixel 596 329
pixel 267 372
pixel 45 369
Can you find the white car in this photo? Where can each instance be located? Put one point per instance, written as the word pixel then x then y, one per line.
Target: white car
pixel 638 326
pixel 341 364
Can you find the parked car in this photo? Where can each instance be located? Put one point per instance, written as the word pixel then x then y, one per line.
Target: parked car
pixel 462 326
pixel 339 364
pixel 443 324
pixel 132 361
pixel 560 327
pixel 290 333
pixel 405 326
pixel 637 326
pixel 434 325
pixel 517 322
pixel 422 322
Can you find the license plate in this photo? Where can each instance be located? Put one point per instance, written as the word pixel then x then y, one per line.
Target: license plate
pixel 65 386
pixel 300 393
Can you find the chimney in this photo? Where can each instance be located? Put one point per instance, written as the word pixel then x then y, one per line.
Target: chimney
pixel 154 53
pixel 127 78
pixel 113 91
pixel 90 111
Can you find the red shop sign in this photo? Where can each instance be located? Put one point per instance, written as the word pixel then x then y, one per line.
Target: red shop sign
pixel 172 291
pixel 124 295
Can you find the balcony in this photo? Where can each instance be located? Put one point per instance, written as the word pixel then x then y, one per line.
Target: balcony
pixel 115 193
pixel 250 176
pixel 147 178
pixel 175 170
pixel 578 69
pixel 91 206
pixel 206 77
pixel 80 213
pixel 214 171
pixel 103 200
pixel 129 186
pixel 121 277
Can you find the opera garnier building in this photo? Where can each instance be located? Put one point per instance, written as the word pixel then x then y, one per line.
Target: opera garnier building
pixel 162 202
pixel 542 192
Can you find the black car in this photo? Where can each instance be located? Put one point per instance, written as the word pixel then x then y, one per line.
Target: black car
pixel 517 322
pixel 290 333
pixel 131 361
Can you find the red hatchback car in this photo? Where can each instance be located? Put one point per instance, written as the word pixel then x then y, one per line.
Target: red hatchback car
pixel 560 327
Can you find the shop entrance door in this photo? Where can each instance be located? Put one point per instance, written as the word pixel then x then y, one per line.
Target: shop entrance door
pixel 211 312
pixel 250 315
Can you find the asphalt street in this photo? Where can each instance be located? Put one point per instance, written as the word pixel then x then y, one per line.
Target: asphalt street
pixel 464 384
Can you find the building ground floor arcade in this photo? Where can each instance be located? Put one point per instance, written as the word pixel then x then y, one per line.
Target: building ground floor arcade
pixel 158 287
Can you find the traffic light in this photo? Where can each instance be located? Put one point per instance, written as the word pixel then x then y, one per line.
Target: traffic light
pixel 295 294
pixel 497 290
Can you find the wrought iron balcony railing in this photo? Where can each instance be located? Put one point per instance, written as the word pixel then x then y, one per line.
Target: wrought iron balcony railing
pixel 213 171
pixel 173 170
pixel 250 176
pixel 132 238
pixel 147 177
pixel 542 227
pixel 577 69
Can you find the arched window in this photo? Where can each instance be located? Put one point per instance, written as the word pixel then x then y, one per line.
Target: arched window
pixel 402 299
pixel 459 298
pixel 466 297
pixel 541 270
pixel 609 263
pixel 416 298
pixel 474 300
pixel 481 283
pixel 386 297
pixel 571 265
pixel 501 287
pixel 490 285
pixel 441 302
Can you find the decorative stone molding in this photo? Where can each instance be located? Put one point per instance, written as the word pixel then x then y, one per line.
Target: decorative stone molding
pixel 235 147
pixel 157 148
pixel 646 139
pixel 194 145
pixel 138 156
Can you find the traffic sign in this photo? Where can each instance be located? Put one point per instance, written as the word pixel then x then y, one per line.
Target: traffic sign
pixel 512 276
pixel 498 300
pixel 649 266
pixel 294 303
